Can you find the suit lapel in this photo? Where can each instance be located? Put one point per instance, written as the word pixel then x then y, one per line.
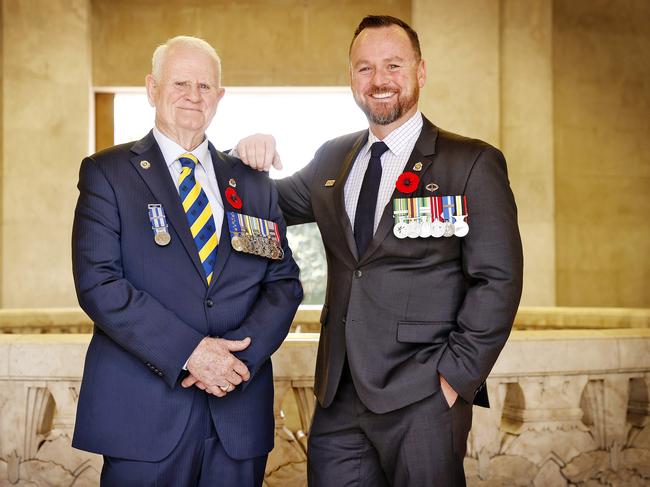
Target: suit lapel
pixel 224 171
pixel 339 193
pixel 156 177
pixel 422 153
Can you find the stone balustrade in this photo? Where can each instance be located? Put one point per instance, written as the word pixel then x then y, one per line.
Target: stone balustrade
pixel 569 407
pixel 74 320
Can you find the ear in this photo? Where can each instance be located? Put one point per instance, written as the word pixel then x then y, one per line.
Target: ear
pixel 220 93
pixel 150 83
pixel 422 73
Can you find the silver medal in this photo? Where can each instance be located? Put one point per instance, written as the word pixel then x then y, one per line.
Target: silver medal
pixel 437 228
pixel 413 229
pixel 461 228
pixel 449 229
pixel 425 228
pixel 399 230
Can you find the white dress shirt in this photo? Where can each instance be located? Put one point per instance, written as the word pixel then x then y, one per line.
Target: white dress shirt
pixel 400 144
pixel 204 172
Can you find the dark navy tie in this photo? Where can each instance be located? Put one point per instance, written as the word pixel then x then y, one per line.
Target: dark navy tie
pixel 364 218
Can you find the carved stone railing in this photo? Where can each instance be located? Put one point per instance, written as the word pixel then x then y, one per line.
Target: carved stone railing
pixel 569 407
pixel 73 320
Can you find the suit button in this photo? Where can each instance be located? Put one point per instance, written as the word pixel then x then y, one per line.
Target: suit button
pixel 209 303
pixel 343 320
pixel 358 273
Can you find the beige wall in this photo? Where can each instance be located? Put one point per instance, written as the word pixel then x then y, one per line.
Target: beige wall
pixel 602 154
pixel 261 42
pixel 489 69
pixel 559 85
pixel 460 44
pixel 46 82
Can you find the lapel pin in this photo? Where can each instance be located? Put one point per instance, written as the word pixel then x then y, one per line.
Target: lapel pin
pixel 329 183
pixel 431 187
pixel 418 166
pixel 232 183
pixel 145 164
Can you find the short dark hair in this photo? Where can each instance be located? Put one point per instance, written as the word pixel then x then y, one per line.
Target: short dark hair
pixel 375 21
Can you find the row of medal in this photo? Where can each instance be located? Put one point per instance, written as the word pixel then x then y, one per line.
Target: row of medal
pixel 254 235
pixel 430 216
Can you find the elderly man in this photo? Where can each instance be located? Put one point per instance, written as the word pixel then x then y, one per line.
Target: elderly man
pixel 180 259
pixel 424 276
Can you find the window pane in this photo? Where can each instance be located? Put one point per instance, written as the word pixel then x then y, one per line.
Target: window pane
pixel 300 119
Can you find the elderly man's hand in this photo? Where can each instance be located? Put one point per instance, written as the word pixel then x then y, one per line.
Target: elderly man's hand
pixel 258 151
pixel 190 381
pixel 214 366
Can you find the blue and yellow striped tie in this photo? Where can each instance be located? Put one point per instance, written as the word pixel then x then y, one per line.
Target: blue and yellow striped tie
pixel 199 214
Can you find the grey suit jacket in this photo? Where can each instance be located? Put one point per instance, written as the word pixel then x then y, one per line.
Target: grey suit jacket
pixel 409 309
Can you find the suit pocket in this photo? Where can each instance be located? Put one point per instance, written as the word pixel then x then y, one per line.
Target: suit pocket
pixel 424 331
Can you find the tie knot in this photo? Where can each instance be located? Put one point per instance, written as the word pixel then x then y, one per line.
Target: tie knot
pixel 188 160
pixel 377 149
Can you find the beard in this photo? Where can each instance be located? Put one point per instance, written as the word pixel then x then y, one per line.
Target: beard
pixel 388 114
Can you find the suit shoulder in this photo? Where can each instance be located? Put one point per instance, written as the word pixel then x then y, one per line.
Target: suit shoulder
pixel 112 154
pixel 345 141
pixel 238 167
pixel 111 158
pixel 469 148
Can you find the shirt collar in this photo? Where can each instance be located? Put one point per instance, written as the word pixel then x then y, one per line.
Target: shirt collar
pixel 398 140
pixel 171 151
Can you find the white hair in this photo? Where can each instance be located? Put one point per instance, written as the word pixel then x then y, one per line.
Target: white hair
pixel 160 53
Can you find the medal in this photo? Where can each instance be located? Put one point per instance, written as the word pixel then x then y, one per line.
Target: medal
pixel 413 224
pixel 237 243
pixel 461 228
pixel 437 227
pixel 162 238
pixel 400 215
pixel 424 216
pixel 400 230
pixel 447 212
pixel 159 224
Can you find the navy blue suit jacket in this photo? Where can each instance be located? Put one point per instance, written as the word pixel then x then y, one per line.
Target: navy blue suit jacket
pixel 151 307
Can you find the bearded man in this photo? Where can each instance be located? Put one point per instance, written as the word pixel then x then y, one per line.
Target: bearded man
pixel 424 275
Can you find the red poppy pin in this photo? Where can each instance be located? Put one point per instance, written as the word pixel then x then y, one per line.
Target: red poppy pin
pixel 233 198
pixel 407 182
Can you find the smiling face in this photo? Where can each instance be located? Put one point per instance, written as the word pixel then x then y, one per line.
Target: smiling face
pixel 386 76
pixel 185 93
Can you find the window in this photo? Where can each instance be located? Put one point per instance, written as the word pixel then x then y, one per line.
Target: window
pixel 300 119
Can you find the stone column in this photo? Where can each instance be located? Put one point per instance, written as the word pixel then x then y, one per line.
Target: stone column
pixel 45 133
pixel 527 137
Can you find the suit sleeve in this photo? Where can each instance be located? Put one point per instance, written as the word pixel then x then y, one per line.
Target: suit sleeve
pixel 493 265
pixel 131 317
pixel 269 320
pixel 295 192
